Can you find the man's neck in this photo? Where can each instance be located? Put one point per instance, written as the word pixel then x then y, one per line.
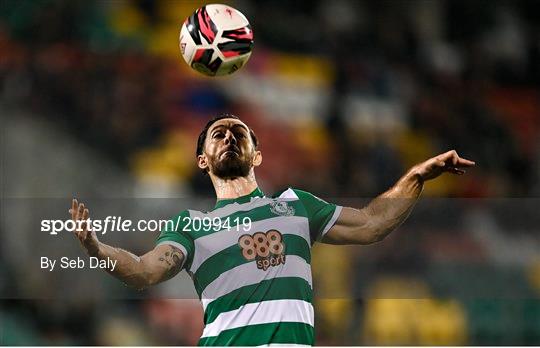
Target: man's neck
pixel 234 188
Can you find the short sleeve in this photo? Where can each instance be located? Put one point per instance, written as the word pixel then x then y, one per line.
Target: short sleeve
pixel 174 234
pixel 321 214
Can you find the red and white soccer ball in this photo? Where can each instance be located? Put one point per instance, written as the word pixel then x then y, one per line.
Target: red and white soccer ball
pixel 216 40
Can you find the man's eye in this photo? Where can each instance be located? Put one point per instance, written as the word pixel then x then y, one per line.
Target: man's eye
pixel 240 135
pixel 218 135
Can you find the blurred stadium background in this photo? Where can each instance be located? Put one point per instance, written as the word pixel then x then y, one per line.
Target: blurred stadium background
pixel 95 101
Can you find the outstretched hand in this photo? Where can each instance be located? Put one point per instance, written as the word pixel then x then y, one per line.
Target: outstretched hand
pixel 447 162
pixel 86 236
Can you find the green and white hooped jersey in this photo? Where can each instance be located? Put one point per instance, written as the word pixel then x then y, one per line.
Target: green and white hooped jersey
pixel 250 261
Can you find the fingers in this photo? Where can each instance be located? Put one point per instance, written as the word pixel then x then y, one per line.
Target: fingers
pixel 452 158
pixel 465 162
pixel 73 209
pixel 81 232
pixel 80 213
pixel 454 170
pixel 85 214
pixel 449 157
pixel 84 225
pixel 451 162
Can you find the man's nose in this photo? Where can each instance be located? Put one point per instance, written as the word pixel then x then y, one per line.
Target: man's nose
pixel 230 138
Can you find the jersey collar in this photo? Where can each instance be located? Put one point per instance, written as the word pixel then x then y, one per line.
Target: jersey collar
pixel 242 199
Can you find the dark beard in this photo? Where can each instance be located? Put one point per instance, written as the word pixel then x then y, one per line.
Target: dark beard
pixel 231 167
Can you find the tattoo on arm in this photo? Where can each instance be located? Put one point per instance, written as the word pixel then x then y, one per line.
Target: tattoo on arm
pixel 172 260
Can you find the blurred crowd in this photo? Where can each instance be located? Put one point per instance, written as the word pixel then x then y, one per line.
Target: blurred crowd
pixel 354 91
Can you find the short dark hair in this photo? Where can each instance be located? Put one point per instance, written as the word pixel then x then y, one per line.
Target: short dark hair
pixel 202 136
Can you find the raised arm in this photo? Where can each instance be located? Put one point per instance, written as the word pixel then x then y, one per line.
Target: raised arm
pixel 386 212
pixel 158 265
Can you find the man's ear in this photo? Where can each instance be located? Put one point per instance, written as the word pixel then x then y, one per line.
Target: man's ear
pixel 257 159
pixel 202 162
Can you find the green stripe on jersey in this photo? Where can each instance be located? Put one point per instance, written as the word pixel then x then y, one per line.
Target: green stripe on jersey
pixel 232 257
pixel 254 335
pixel 286 288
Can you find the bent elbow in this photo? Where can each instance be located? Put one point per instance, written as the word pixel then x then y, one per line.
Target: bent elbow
pixel 379 237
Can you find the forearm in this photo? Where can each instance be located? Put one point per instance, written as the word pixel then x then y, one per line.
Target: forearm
pixel 132 270
pixel 380 217
pixel 391 209
pixel 160 264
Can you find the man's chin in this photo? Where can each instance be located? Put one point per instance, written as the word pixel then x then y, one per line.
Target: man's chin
pixel 229 155
pixel 231 168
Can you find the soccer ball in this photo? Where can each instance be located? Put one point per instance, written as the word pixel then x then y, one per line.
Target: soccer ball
pixel 216 40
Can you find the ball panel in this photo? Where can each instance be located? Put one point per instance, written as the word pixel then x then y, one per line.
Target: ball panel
pixel 187 46
pixel 193 28
pixel 243 34
pixel 206 26
pixel 231 65
pixel 226 17
pixel 233 49
pixel 241 42
pixel 206 61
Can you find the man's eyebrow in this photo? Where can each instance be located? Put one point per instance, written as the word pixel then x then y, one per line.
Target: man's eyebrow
pixel 240 125
pixel 216 128
pixel 236 125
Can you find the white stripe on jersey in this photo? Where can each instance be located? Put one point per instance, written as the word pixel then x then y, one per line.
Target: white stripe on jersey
pixel 232 208
pixel 274 311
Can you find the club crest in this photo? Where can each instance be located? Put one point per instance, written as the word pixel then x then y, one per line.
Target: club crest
pixel 281 208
